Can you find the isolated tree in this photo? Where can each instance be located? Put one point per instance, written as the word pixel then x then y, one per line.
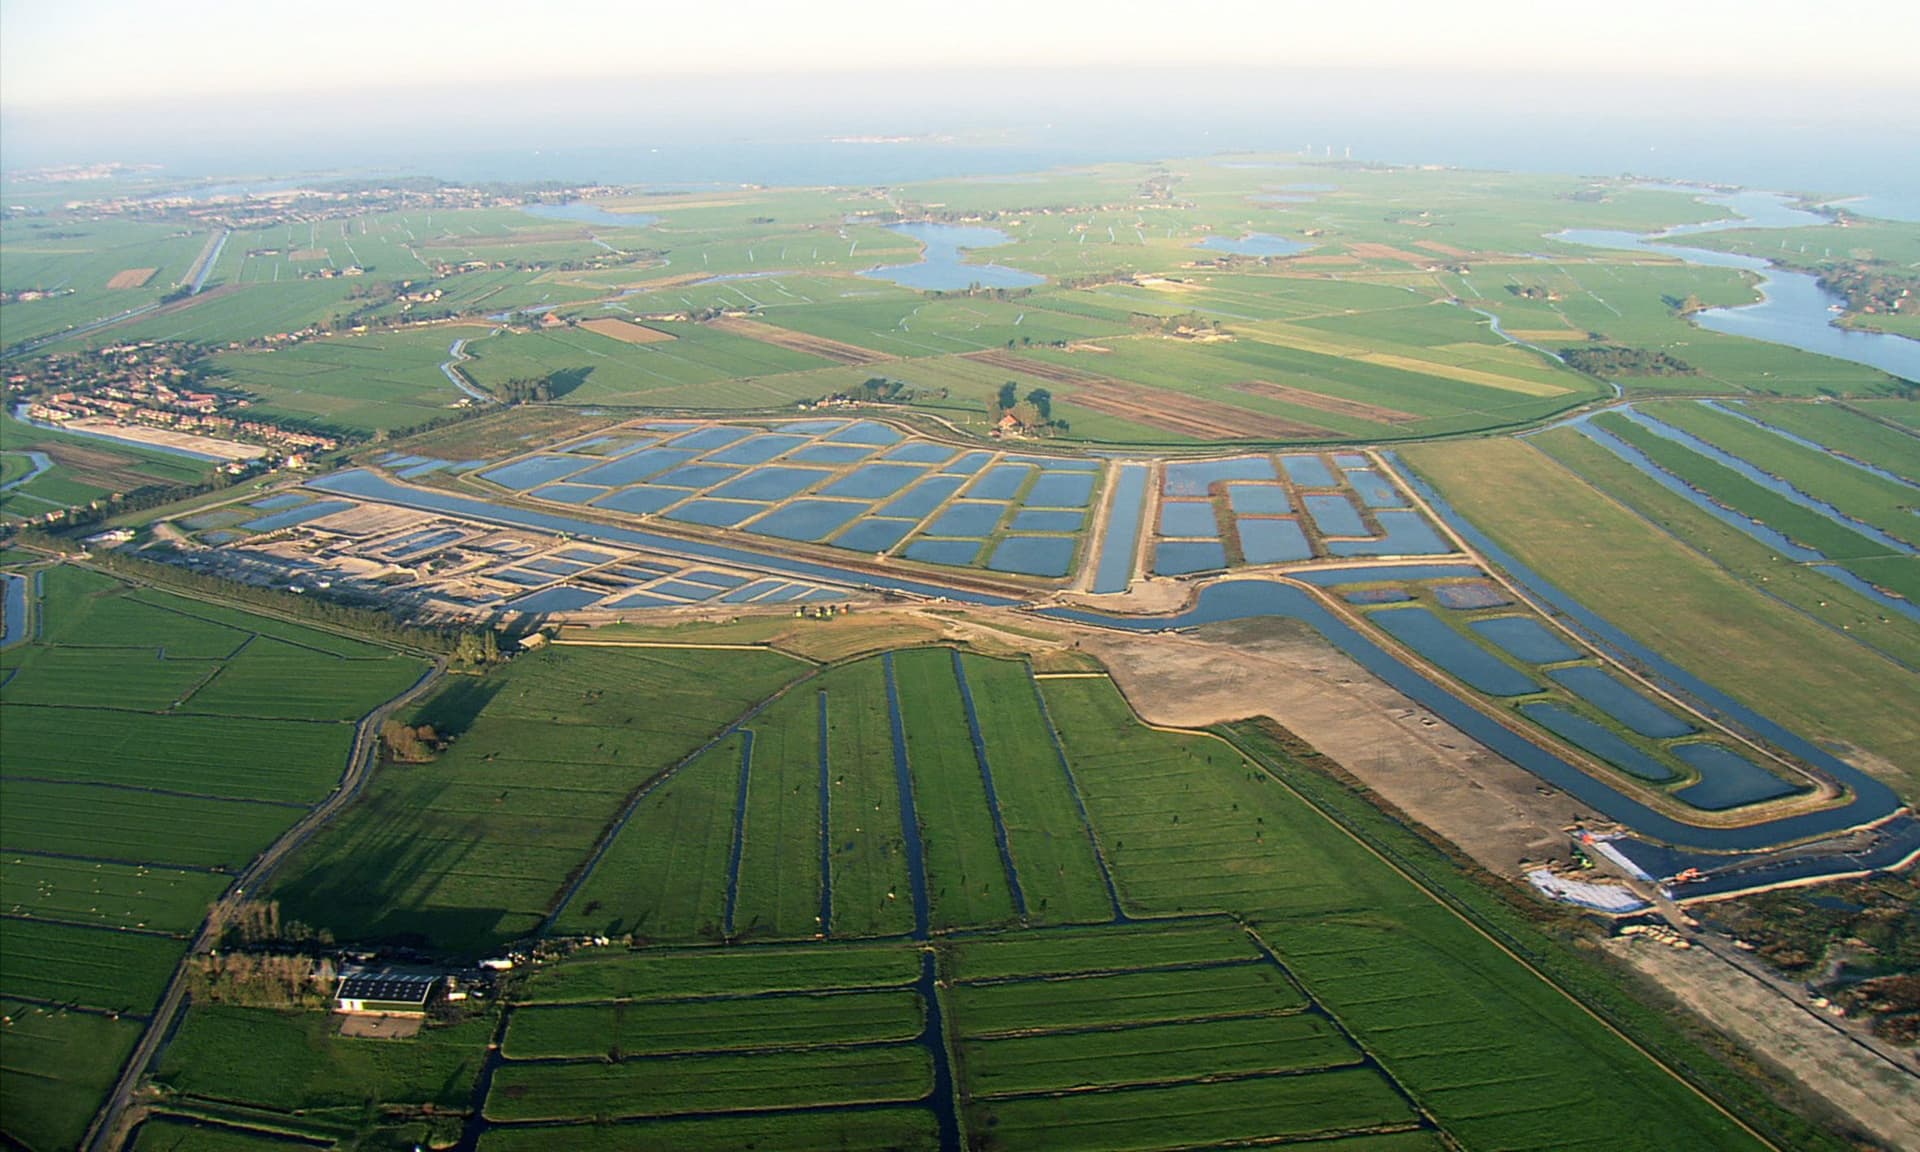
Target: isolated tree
pixel 1009 394
pixel 1042 401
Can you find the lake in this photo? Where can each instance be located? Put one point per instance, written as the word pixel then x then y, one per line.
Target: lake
pixel 581 212
pixel 1254 244
pixel 941 267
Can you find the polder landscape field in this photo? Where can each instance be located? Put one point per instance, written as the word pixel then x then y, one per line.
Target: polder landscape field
pixel 1231 652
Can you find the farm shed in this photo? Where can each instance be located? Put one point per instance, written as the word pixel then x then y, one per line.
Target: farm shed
pixel 392 993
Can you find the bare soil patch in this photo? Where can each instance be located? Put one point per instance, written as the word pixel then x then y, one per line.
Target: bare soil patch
pixel 380 1027
pixel 627 331
pixel 1498 814
pixel 131 277
pixel 1367 251
pixel 1443 249
pixel 1328 259
pixel 837 351
pixel 1358 409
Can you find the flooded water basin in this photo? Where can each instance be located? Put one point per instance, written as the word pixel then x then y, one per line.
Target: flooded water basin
pixel 707 439
pixel 806 519
pixel 1376 491
pixel 873 534
pixel 830 454
pixel 1378 596
pixel 554 600
pixel 1197 477
pixel 875 481
pixel 533 471
pixel 300 515
pixel 642 600
pixel 632 469
pixel 811 427
pixel 1061 490
pixel 756 450
pixel 1429 636
pixel 1057 463
pixel 640 501
pixel 283 500
pixel 999 482
pixel 969 464
pixel 1583 733
pixel 1470 594
pixel 684 590
pixel 1272 541
pixel 1616 698
pixel 866 432
pixel 696 476
pixel 920 452
pixel 967 518
pixel 555 566
pixel 1034 555
pixel 942 267
pixel 1259 500
pixel 923 498
pixel 1524 638
pixel 1407 533
pixel 571 493
pixel 751 591
pixel 1254 244
pixel 1191 518
pixel 1048 520
pixel 715 513
pixel 957 553
pixel 1180 557
pixel 1309 472
pixel 1125 509
pixel 1335 516
pixel 714 579
pixel 1727 779
pixel 773 482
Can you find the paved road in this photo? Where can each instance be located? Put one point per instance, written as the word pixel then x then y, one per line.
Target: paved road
pixel 107 1130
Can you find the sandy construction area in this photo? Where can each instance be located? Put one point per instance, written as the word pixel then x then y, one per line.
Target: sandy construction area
pixel 627 331
pixel 168 438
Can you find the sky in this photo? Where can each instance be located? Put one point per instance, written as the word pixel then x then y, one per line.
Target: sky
pixel 104 52
pixel 212 86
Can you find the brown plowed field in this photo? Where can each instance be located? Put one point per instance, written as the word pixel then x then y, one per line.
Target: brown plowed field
pixel 1443 249
pixel 131 277
pixel 1154 408
pixel 1334 404
pixel 626 331
pixel 837 351
pixel 1388 252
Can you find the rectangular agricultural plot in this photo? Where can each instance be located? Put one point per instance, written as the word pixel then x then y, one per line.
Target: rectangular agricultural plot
pixel 670 1027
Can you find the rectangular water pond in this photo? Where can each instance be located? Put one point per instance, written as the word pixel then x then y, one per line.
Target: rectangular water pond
pixel 715 513
pixel 1034 555
pixel 555 566
pixel 969 464
pixel 811 427
pixel 1061 490
pixel 640 501
pixel 713 579
pixel 999 482
pixel 685 590
pixel 874 481
pixel 1335 516
pixel 707 439
pixel 1616 698
pixel 1197 477
pixel 751 591
pixel 757 449
pixel 1192 518
pixel 696 476
pixel 923 497
pixel 534 471
pixel 635 468
pixel 298 515
pixel 920 452
pixel 1727 779
pixel 561 599
pixel 1048 520
pixel 1407 533
pixel 283 500
pixel 958 553
pixel 967 518
pixel 1377 596
pixel 1179 557
pixel 774 482
pixel 1125 508
pixel 1376 491
pixel 830 454
pixel 1057 463
pixel 1602 742
pixel 1470 594
pixel 1259 500
pixel 873 535
pixel 1428 635
pixel 805 519
pixel 1309 472
pixel 1527 639
pixel 643 600
pixel 866 432
pixel 1272 541
pixel 570 493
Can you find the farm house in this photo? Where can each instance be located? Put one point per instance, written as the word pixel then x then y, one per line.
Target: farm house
pixel 385 993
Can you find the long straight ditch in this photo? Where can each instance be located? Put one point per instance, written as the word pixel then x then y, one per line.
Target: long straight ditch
pixel 986 779
pixel 826 827
pixel 739 827
pixel 1079 802
pixel 909 819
